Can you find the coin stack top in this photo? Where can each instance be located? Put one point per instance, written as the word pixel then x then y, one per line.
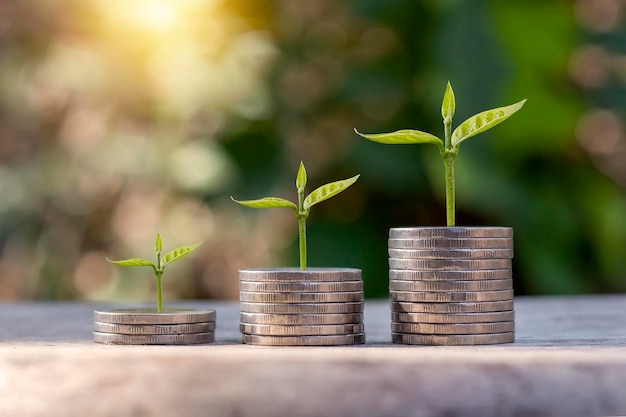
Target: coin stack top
pixel 309 275
pixel 451 285
pixel 293 307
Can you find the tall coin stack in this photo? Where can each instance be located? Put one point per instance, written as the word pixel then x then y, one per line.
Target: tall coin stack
pixel 146 327
pixel 293 307
pixel 451 285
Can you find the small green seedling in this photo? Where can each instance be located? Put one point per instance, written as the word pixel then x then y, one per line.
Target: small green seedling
pixel 304 205
pixel 449 147
pixel 161 263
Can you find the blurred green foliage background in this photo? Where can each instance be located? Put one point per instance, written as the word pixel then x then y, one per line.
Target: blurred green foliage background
pixel 120 119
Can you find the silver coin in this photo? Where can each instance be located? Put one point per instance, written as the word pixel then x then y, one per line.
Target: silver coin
pixel 295 274
pixel 476 243
pixel 471 307
pixel 449 232
pixel 342 286
pixel 301 319
pixel 276 330
pixel 150 316
pixel 479 275
pixel 152 329
pixel 451 254
pixel 304 297
pixel 309 308
pixel 456 329
pixel 453 340
pixel 452 318
pixel 334 340
pixel 429 286
pixel 451 297
pixel 161 339
pixel 449 264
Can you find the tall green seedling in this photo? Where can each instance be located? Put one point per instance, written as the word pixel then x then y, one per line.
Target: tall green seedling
pixel 303 208
pixel 449 147
pixel 161 263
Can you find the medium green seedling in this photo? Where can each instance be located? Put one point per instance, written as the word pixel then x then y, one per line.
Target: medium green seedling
pixel 303 208
pixel 449 147
pixel 161 263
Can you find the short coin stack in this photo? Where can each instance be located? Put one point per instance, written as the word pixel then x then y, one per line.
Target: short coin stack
pixel 147 327
pixel 451 285
pixel 293 307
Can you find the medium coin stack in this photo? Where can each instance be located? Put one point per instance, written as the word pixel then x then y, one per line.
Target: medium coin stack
pixel 147 327
pixel 293 307
pixel 451 285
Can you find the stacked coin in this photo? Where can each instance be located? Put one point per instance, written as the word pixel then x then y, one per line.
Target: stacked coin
pixel 293 307
pixel 451 285
pixel 147 327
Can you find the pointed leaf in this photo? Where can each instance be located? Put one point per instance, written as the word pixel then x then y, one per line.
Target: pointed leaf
pixel 133 262
pixel 178 253
pixel 301 178
pixel 158 245
pixel 267 202
pixel 483 121
pixel 448 105
pixel 327 191
pixel 402 137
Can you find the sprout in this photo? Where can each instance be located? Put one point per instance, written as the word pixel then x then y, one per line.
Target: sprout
pixel 161 263
pixel 449 147
pixel 303 208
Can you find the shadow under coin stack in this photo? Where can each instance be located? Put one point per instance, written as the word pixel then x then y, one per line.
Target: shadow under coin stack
pixel 146 327
pixel 451 286
pixel 293 307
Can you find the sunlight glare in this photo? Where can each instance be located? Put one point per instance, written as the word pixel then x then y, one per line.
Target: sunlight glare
pixel 155 15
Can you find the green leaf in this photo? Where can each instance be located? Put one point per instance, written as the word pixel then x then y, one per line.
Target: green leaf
pixel 327 191
pixel 483 121
pixel 133 262
pixel 158 245
pixel 178 253
pixel 448 105
pixel 301 178
pixel 267 202
pixel 402 137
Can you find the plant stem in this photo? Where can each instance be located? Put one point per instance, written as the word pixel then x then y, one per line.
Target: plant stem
pixel 302 240
pixel 448 155
pixel 159 292
pixel 448 162
pixel 302 215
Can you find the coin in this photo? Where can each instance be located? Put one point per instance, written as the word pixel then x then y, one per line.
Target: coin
pixel 453 340
pixel 452 243
pixel 161 339
pixel 483 285
pixel 149 329
pixel 342 286
pixel 471 307
pixel 483 274
pixel 277 330
pixel 457 318
pixel 309 308
pixel 150 316
pixel 305 297
pixel 450 232
pixel 334 340
pixel 453 253
pixel 449 264
pixel 450 297
pixel 295 274
pixel 456 329
pixel 300 319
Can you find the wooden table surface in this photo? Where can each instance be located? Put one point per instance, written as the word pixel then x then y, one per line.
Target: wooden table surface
pixel 569 359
